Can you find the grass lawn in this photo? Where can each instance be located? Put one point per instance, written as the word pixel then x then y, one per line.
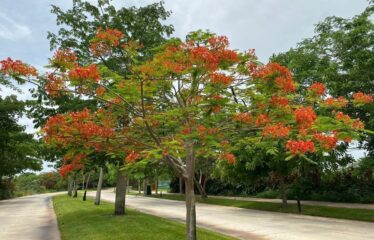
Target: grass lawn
pixel 331 212
pixel 83 220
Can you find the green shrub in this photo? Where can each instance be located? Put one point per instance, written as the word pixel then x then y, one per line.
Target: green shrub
pixel 268 194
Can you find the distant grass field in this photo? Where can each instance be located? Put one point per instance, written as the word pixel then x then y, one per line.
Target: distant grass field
pixel 321 211
pixel 85 221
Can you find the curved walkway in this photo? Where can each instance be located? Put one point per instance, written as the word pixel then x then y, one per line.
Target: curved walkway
pixel 253 224
pixel 28 218
pixel 303 202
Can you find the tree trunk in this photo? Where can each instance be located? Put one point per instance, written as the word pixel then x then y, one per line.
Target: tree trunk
pixel 282 188
pixel 83 179
pixel 156 187
pixel 70 186
pixel 200 188
pixel 145 187
pixel 298 204
pixel 119 204
pixel 128 185
pixel 180 185
pixel 204 185
pixel 99 185
pixel 139 188
pixel 75 189
pixel 190 191
pixel 85 187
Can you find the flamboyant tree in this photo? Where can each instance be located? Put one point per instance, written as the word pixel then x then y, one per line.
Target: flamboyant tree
pixel 171 106
pixel 85 136
pixel 340 56
pixel 292 124
pixel 188 102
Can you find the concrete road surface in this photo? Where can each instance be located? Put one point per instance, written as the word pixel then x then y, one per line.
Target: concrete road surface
pixel 303 202
pixel 28 218
pixel 253 224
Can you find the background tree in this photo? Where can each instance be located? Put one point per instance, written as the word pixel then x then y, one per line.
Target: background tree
pixel 80 24
pixel 18 150
pixel 79 32
pixel 341 56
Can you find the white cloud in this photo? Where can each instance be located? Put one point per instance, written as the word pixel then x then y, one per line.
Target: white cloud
pixel 11 30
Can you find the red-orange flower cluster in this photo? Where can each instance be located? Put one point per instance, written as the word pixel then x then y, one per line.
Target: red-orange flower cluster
pixel 205 56
pixel 71 164
pixel 132 157
pixel 104 40
pixel 17 67
pixel 305 117
pixel 229 157
pixel 270 71
pixel 343 118
pixel 81 74
pixel 340 102
pixel 285 84
pixel 55 84
pixel 186 130
pixel 317 89
pixel 243 117
pixel 262 119
pixel 212 55
pixel 326 142
pixel 275 131
pixel 357 124
pixel 360 98
pixel 64 59
pixel 346 119
pixel 80 127
pixel 300 147
pixel 220 78
pixel 111 36
pixel 204 131
pixel 100 91
pixel 65 170
pixel 277 101
pixel 216 109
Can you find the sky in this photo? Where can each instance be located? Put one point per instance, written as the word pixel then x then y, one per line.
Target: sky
pixel 269 26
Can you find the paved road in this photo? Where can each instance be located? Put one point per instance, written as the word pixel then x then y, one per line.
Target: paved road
pixel 28 218
pixel 369 206
pixel 312 203
pixel 253 224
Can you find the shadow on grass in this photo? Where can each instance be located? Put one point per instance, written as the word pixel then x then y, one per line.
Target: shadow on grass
pixel 83 220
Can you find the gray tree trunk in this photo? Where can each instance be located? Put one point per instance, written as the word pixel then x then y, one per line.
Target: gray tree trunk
pixel 139 188
pixel 204 185
pixel 201 189
pixel 190 191
pixel 180 185
pixel 145 181
pixel 75 188
pixel 156 187
pixel 86 186
pixel 70 186
pixel 128 185
pixel 282 189
pixel 119 204
pixel 99 185
pixel 83 181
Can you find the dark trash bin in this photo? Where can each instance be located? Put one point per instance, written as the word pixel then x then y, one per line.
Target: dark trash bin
pixel 149 190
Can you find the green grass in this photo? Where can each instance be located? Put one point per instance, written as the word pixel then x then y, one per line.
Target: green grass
pixel 83 220
pixel 331 212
